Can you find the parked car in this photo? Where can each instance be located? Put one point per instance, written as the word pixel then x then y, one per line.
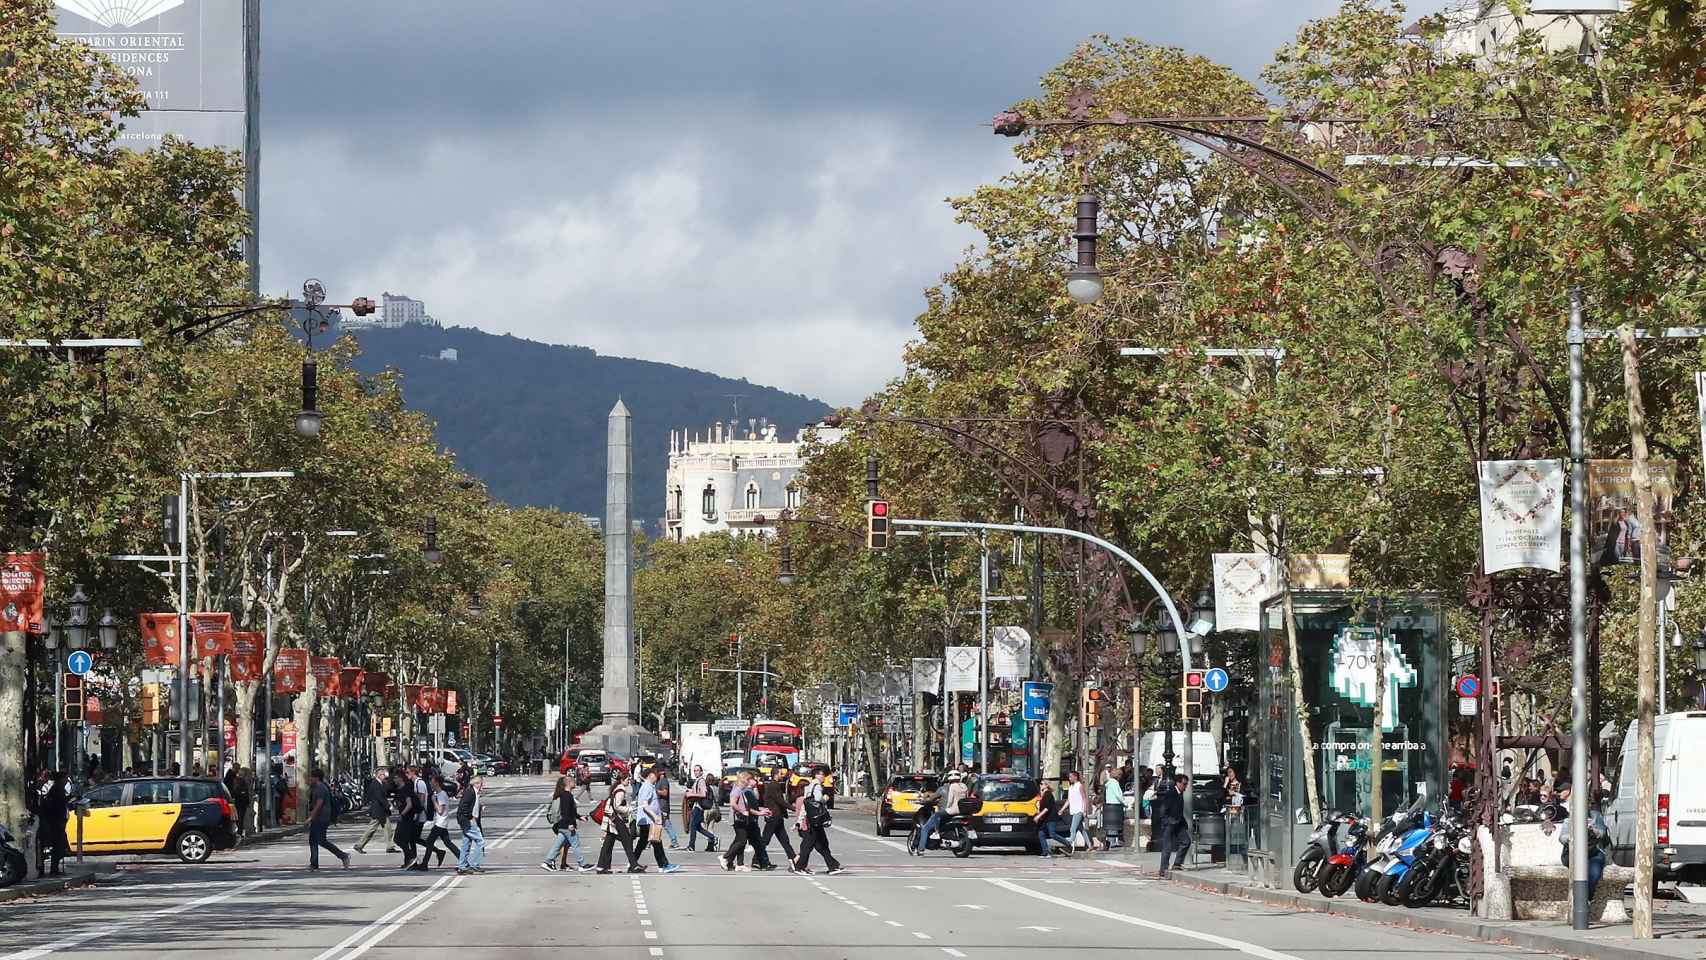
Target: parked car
pixel 185 816
pixel 898 805
pixel 593 766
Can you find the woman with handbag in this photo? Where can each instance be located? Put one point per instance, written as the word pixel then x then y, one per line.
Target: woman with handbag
pixel 564 817
pixel 440 825
pixel 700 806
pixel 651 818
pixel 612 814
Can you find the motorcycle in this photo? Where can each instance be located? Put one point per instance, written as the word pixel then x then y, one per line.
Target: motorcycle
pixel 951 831
pixel 1323 843
pixel 13 866
pixel 1393 868
pixel 1383 844
pixel 1342 868
pixel 1442 870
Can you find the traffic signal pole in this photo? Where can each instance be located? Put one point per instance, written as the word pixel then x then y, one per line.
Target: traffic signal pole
pixel 1131 561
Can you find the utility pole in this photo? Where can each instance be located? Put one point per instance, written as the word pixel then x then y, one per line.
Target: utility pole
pixel 983 655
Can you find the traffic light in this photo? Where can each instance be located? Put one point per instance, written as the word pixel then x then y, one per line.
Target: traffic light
pixel 73 698
pixel 169 506
pixel 151 704
pixel 1191 696
pixel 1093 706
pixel 704 667
pixel 734 645
pixel 1494 703
pixel 877 524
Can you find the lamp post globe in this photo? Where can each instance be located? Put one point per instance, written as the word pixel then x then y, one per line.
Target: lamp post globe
pixel 77 624
pixel 1084 284
pixel 51 633
pixel 785 568
pixel 109 631
pixel 1139 633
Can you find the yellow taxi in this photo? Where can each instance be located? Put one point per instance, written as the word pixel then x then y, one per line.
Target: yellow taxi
pixel 806 770
pixel 1007 816
pixel 728 780
pixel 898 805
pixel 185 816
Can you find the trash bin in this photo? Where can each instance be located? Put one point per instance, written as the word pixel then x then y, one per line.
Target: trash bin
pixel 1208 835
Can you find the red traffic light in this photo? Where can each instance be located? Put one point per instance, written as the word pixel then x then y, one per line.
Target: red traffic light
pixel 1095 693
pixel 879 508
pixel 1193 678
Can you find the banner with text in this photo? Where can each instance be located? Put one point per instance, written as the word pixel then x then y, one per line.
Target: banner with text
pixel 23 580
pixel 325 675
pixel 1009 653
pixel 159 638
pixel 926 675
pixel 349 682
pixel 211 633
pixel 1522 514
pixel 1241 582
pixel 248 650
pixel 290 671
pixel 1612 523
pixel 962 669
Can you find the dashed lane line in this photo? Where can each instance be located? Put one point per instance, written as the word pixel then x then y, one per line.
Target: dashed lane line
pixel 950 951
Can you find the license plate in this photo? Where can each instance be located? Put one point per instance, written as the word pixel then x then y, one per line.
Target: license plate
pixel 1008 827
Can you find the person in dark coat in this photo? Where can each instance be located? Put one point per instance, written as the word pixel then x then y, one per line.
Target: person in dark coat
pixel 55 808
pixel 1169 824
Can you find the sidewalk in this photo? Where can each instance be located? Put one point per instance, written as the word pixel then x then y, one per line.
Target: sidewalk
pixel 92 871
pixel 1681 931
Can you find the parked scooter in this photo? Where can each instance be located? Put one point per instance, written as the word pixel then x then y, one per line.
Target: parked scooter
pixel 1323 844
pixel 1386 842
pixel 1442 870
pixel 13 866
pixel 1342 867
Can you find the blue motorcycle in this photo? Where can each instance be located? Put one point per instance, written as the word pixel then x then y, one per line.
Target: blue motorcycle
pixel 1384 846
pixel 1396 868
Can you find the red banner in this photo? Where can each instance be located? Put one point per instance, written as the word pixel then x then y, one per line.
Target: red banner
pixel 93 712
pixel 247 655
pixel 160 638
pixel 325 675
pixel 450 702
pixel 390 689
pixel 349 681
pixel 412 695
pixel 212 634
pixel 427 701
pixel 290 671
pixel 23 580
pixel 377 684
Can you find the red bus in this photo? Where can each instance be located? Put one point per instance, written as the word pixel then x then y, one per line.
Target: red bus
pixel 774 737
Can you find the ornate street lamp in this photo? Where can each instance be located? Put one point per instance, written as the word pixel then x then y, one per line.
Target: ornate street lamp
pixel 109 631
pixel 1700 650
pixel 785 570
pixel 1202 617
pixel 309 417
pixel 429 549
pixel 1084 283
pixel 77 624
pixel 475 607
pixel 51 633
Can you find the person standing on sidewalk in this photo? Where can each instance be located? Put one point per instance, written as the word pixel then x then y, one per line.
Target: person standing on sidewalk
pixel 320 820
pixel 470 809
pixel 776 799
pixel 814 819
pixel 565 819
pixel 651 818
pixel 617 810
pixel 1113 810
pixel 1169 822
pixel 55 809
pixel 376 802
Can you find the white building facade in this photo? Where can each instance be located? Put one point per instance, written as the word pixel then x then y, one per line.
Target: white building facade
pixel 734 480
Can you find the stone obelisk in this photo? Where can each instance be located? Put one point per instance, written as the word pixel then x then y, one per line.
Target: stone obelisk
pixel 619 700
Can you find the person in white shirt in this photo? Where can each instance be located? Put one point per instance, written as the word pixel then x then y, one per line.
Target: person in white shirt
pixel 1078 807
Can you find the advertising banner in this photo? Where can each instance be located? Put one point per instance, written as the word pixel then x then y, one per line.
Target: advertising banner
pixel 212 634
pixel 1320 571
pixel 926 675
pixel 349 683
pixel 378 684
pixel 1241 582
pixel 290 671
pixel 247 654
pixel 325 675
pixel 450 702
pixel 1522 514
pixel 427 700
pixel 186 55
pixel 159 638
pixel 23 579
pixel 962 669
pixel 1009 653
pixel 412 696
pixel 93 711
pixel 1612 524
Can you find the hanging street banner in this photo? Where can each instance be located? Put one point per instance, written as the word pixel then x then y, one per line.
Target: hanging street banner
pixel 412 696
pixel 1241 582
pixel 186 55
pixel 1009 653
pixel 963 669
pixel 378 684
pixel 349 682
pixel 212 634
pixel 159 638
pixel 1522 514
pixel 1320 571
pixel 325 671
pixel 248 651
pixel 1612 524
pixel 926 675
pixel 290 671
pixel 23 579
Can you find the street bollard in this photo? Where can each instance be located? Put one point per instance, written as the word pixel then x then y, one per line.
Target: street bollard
pixel 82 812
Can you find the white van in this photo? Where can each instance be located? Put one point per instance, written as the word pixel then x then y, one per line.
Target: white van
pixel 1679 776
pixel 1205 754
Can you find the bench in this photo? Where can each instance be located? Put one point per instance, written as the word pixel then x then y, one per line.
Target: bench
pixel 1540 883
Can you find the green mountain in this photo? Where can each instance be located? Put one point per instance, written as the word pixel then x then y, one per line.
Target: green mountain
pixel 529 418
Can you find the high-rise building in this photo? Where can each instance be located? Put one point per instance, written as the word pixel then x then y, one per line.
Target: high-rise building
pixel 734 480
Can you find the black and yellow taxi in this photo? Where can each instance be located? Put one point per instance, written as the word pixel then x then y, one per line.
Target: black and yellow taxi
pixel 808 769
pixel 189 817
pixel 898 805
pixel 728 780
pixel 1007 816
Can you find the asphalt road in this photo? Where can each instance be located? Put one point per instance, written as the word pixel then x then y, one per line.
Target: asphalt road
pixel 247 903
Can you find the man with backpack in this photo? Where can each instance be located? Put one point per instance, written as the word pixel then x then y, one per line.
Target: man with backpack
pixel 470 808
pixel 612 814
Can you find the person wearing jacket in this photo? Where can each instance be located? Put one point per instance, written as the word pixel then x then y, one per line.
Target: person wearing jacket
pixel 744 804
pixel 470 807
pixel 617 811
pixel 376 802
pixel 814 823
pixel 55 807
pixel 776 799
pixel 1171 832
pixel 650 815
pixel 564 818
pixel 701 796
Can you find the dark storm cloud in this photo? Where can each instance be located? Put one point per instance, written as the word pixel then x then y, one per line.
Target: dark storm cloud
pixel 749 188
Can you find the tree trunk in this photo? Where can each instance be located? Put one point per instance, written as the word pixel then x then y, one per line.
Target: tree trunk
pixel 1377 730
pixel 244 695
pixel 1646 806
pixel 303 715
pixel 1300 706
pixel 12 654
pixel 1055 737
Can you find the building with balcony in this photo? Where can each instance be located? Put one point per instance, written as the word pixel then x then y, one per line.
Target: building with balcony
pixel 733 479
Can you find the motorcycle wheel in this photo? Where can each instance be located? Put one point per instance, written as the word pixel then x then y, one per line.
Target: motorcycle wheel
pixel 1390 889
pixel 1366 881
pixel 1335 879
pixel 962 847
pixel 12 870
pixel 1307 874
pixel 1423 884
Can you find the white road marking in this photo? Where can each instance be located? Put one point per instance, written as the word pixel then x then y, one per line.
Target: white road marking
pixel 651 934
pixel 891 844
pixel 1241 946
pixel 916 886
pixel 950 951
pixel 111 928
pixel 1041 929
pixel 364 931
pixel 922 936
pixel 515 832
pixel 397 924
pixel 892 923
pixel 972 906
pixel 657 951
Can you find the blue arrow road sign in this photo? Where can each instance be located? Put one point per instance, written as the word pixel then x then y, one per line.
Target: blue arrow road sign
pixel 849 713
pixel 1037 697
pixel 79 662
pixel 1216 680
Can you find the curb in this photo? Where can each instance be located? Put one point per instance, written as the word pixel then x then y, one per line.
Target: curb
pixel 273 836
pixel 1428 922
pixel 35 888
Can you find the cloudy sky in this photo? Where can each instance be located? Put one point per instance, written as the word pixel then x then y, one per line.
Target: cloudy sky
pixel 750 188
